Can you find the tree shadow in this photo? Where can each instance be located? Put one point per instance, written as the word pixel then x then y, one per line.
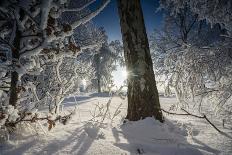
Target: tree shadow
pixel 11 150
pixel 72 104
pixel 203 146
pixel 71 101
pixel 164 140
pixel 115 133
pixel 77 98
pixel 103 94
pixel 11 146
pixel 77 143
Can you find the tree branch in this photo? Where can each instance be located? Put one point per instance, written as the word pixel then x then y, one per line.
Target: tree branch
pixel 80 8
pixel 90 16
pixel 189 114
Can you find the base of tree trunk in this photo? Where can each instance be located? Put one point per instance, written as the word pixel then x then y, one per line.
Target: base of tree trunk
pixel 142 104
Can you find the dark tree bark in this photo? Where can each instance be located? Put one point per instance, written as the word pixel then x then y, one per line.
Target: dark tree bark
pixel 14 75
pixel 143 99
pixel 99 84
pixel 98 73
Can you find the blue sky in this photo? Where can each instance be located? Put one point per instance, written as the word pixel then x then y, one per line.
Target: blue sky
pixel 109 19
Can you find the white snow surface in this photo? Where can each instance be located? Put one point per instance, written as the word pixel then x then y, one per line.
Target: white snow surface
pixel 179 135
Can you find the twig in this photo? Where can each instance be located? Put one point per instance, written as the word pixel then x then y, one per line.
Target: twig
pixel 204 117
pixel 35 118
pixel 172 113
pixel 212 124
pixel 207 92
pixel 192 114
pixel 189 114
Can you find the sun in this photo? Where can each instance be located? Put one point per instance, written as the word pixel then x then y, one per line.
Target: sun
pixel 119 76
pixel 84 82
pixel 124 73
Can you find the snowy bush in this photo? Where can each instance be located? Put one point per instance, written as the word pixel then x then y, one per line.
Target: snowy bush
pixel 101 114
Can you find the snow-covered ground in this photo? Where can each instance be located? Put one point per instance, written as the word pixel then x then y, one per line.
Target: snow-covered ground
pixel 84 134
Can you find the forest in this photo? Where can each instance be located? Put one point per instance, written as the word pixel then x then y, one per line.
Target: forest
pixel 115 77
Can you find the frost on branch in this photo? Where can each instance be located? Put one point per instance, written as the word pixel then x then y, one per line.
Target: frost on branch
pixel 194 58
pixel 214 11
pixel 35 38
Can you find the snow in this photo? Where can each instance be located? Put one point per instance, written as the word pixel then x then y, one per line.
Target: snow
pixel 10 114
pixel 84 134
pixel 45 8
pixel 82 7
pixel 90 16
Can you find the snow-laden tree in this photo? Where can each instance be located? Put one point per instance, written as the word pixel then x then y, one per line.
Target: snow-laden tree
pixel 170 45
pixel 214 11
pixel 103 57
pixel 63 74
pixel 118 48
pixel 60 79
pixel 105 62
pixel 29 31
pixel 194 58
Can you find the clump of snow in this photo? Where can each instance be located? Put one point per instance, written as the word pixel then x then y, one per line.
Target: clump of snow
pixel 9 113
pixel 12 113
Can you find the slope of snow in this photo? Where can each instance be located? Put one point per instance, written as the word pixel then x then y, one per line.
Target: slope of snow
pixel 84 135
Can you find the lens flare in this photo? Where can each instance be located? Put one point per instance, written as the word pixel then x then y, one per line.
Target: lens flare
pixel 84 82
pixel 124 73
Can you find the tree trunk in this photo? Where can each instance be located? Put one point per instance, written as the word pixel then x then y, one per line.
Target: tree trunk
pixel 14 75
pixel 99 84
pixel 143 99
pixel 98 73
